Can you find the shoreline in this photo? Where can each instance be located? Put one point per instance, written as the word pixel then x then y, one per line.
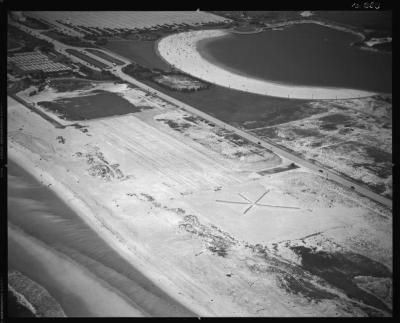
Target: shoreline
pixel 34 302
pixel 182 52
pixel 133 255
pixel 317 22
pixel 20 300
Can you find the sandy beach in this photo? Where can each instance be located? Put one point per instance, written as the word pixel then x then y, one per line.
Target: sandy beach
pixel 84 211
pixel 183 51
pixel 160 211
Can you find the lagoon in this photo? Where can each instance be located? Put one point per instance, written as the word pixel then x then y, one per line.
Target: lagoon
pixel 304 55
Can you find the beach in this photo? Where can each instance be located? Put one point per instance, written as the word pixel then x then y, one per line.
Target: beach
pixel 184 52
pixel 184 253
pixel 155 299
pixel 52 245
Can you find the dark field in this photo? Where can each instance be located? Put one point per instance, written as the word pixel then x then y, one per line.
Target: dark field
pixel 141 52
pixel 100 105
pixel 86 58
pixel 12 44
pixel 247 110
pixel 16 309
pixel 29 41
pixel 340 269
pixel 336 119
pixel 105 56
pixel 376 161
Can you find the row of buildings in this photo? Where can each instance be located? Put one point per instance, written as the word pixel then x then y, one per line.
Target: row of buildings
pixel 34 62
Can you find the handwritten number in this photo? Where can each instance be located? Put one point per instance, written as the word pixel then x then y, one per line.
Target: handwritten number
pixel 366 5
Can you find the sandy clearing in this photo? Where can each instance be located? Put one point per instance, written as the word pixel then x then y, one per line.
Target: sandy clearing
pixel 180 50
pixel 146 231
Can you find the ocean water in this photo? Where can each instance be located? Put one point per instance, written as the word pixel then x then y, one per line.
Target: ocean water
pixel 51 245
pixel 305 54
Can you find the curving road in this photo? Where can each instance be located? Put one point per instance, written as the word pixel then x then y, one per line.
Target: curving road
pixel 117 70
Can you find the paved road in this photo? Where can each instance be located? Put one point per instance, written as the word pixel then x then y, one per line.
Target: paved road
pixel 319 169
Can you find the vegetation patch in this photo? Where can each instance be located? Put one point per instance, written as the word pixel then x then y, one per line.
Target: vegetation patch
pixel 105 56
pixel 12 44
pixel 174 81
pixel 30 42
pixel 289 276
pixel 67 39
pixel 340 269
pixel 180 82
pixel 278 169
pixel 139 52
pixel 87 58
pixel 70 85
pixel 98 165
pixel 336 119
pixel 179 126
pixel 34 23
pixel 218 242
pixel 378 155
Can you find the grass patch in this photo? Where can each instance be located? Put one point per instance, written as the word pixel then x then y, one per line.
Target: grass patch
pixel 179 82
pixel 336 118
pixel 86 58
pixel 246 109
pixel 140 52
pixel 270 133
pixel 105 56
pixel 12 44
pixel 339 269
pixel 378 155
pixel 102 104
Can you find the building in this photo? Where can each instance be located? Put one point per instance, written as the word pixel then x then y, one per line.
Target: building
pixel 34 62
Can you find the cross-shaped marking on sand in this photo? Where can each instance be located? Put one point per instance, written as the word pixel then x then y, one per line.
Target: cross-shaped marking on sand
pixel 255 203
